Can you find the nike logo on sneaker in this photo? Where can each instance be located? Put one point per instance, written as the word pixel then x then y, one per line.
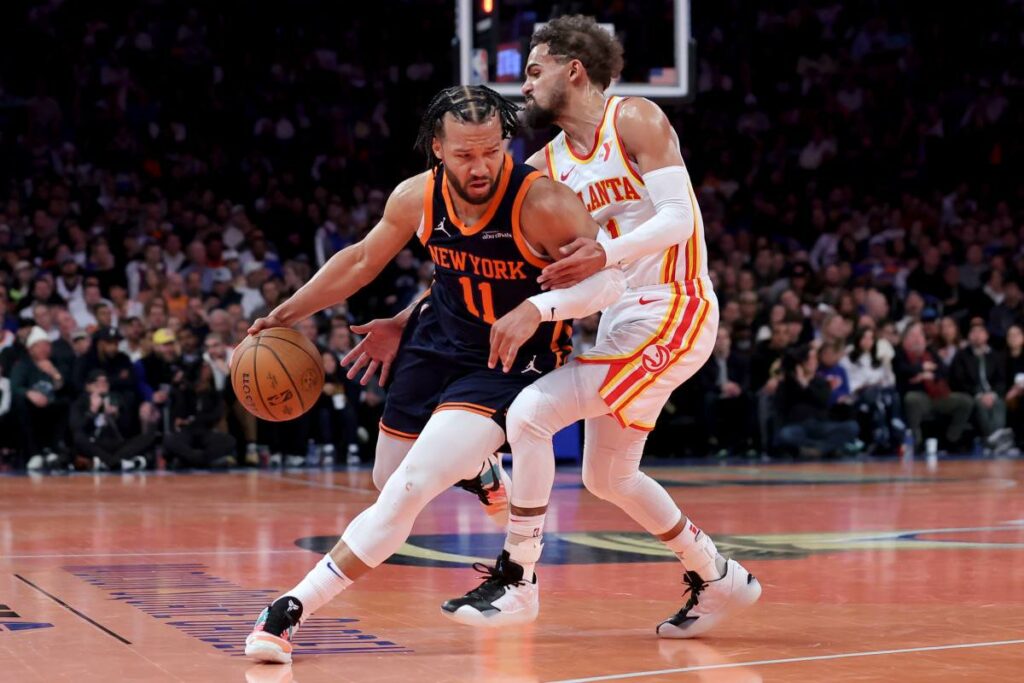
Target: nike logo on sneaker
pixel 334 571
pixel 644 302
pixel 568 173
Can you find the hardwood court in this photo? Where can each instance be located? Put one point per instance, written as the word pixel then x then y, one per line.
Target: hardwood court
pixel 870 572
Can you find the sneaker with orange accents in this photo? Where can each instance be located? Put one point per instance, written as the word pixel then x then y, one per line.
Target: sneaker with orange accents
pixel 491 487
pixel 270 640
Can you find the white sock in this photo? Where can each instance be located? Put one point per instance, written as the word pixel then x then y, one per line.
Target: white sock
pixel 525 541
pixel 321 585
pixel 696 551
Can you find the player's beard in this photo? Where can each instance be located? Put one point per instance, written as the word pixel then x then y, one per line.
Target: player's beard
pixel 461 191
pixel 538 117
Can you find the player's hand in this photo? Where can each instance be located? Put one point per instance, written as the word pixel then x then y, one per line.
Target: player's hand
pixel 376 351
pixel 581 258
pixel 510 332
pixel 266 323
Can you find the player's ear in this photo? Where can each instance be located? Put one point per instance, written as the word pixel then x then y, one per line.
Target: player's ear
pixel 576 70
pixel 436 146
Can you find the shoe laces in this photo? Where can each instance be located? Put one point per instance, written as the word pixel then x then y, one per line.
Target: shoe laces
pixel 477 486
pixel 694 586
pixel 492 577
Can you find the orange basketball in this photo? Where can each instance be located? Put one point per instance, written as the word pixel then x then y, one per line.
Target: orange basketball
pixel 277 374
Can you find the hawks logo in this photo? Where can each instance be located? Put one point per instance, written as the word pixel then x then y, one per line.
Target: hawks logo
pixel 655 358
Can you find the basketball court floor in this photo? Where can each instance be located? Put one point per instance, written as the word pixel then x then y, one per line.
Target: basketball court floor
pixel 870 572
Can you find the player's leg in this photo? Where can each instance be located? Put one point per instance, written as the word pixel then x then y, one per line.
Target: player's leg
pixel 538 412
pixel 446 451
pixel 390 452
pixel 611 471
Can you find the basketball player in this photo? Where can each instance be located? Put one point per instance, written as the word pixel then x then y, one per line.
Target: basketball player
pixel 490 226
pixel 622 158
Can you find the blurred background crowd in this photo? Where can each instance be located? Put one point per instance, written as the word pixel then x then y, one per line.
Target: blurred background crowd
pixel 172 170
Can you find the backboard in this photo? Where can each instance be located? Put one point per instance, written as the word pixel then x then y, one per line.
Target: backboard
pixel 494 41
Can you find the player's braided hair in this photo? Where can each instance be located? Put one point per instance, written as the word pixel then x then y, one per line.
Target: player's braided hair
pixel 467 103
pixel 580 37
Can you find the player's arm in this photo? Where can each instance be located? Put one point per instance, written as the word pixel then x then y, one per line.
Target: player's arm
pixel 538 161
pixel 354 267
pixel 553 217
pixel 379 345
pixel 648 137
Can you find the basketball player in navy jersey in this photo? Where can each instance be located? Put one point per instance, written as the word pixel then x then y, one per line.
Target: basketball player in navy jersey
pixel 491 226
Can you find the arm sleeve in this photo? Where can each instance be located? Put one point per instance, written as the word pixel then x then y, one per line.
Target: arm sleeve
pixel 671 224
pixel 597 292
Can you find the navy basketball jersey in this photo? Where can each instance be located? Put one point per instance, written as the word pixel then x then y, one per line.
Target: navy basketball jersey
pixel 483 271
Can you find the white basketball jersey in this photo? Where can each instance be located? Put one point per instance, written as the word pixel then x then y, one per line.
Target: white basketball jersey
pixel 611 188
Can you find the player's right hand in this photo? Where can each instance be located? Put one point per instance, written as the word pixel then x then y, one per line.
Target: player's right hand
pixel 376 351
pixel 266 323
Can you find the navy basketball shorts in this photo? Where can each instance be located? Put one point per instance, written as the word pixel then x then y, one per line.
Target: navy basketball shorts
pixel 425 383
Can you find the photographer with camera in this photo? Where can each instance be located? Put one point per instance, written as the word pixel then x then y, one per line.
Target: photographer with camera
pixel 95 432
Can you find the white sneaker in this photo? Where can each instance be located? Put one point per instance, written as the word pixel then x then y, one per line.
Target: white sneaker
pixel 128 464
pixel 711 601
pixel 503 599
pixel 34 463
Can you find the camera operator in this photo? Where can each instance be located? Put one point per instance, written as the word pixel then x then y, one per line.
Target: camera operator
pixel 95 432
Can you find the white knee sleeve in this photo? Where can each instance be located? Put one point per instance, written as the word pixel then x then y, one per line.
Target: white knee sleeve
pixel 611 471
pixel 389 455
pixel 453 446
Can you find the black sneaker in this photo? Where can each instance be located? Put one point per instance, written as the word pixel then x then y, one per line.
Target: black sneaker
pixel 503 599
pixel 489 487
pixel 270 640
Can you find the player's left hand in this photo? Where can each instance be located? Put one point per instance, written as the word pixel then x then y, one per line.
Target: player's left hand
pixel 510 332
pixel 581 258
pixel 376 351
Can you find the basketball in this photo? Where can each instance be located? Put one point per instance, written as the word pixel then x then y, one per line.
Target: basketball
pixel 277 374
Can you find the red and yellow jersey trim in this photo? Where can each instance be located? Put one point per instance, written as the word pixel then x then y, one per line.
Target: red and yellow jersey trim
pixel 677 333
pixel 598 134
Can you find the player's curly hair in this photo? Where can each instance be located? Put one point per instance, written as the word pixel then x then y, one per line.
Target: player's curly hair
pixel 467 103
pixel 579 37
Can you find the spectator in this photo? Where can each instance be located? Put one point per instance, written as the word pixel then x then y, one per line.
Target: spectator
pixel 873 389
pixel 950 342
pixel 728 403
pixel 8 442
pixel 1007 313
pixel 1015 376
pixel 979 371
pixel 35 382
pixel 118 373
pixel 95 432
pixel 803 405
pixel 195 413
pixel 922 381
pixel 830 366
pixel 158 371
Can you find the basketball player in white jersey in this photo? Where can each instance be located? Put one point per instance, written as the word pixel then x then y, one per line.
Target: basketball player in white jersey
pixel 622 157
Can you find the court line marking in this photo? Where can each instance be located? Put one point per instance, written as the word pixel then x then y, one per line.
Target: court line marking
pixel 317 484
pixel 790 660
pixel 74 611
pixel 177 553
